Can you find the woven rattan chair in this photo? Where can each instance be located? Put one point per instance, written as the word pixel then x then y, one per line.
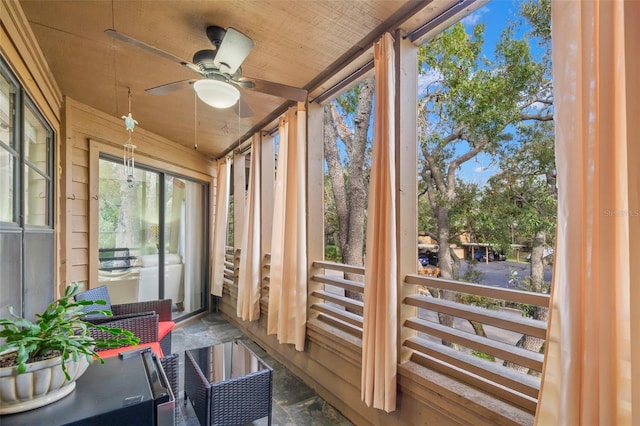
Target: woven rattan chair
pixel 146 328
pixel 143 320
pixel 128 312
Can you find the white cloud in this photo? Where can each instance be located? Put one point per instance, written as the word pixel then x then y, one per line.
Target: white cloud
pixel 538 106
pixel 425 80
pixel 480 169
pixel 474 18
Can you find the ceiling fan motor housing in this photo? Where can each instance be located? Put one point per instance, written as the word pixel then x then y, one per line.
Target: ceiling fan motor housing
pixel 215 35
pixel 204 59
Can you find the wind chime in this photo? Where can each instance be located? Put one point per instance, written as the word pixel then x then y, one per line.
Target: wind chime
pixel 129 148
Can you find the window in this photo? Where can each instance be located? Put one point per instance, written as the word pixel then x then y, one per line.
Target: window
pixel 26 207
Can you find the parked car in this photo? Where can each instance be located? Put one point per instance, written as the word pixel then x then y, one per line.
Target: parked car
pixel 478 254
pixel 433 258
pixel 498 255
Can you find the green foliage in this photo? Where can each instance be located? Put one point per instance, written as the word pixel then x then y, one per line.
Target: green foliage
pixel 479 95
pixel 483 355
pixel 524 195
pixel 331 253
pixel 62 329
pixel 538 14
pixel 348 101
pixel 480 301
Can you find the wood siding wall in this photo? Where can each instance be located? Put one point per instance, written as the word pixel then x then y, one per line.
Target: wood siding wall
pixel 89 133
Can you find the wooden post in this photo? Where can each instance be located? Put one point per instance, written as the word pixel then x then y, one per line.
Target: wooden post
pixel 406 105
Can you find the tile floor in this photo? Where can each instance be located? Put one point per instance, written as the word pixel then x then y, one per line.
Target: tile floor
pixel 294 403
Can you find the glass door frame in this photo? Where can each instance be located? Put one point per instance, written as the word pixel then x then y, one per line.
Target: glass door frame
pixel 101 154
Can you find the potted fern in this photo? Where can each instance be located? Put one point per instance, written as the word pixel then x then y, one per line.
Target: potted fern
pixel 40 361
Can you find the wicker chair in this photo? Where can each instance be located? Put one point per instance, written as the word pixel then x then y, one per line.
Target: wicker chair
pixel 128 314
pixel 144 320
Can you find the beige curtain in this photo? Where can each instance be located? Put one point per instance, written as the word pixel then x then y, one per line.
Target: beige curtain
pixel 379 337
pixel 592 369
pixel 220 226
pixel 287 316
pixel 249 275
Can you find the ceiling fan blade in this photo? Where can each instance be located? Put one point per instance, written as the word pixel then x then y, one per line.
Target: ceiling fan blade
pixel 165 89
pixel 275 89
pixel 149 48
pixel 233 50
pixel 242 108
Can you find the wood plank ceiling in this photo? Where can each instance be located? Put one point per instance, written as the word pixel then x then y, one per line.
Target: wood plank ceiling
pixel 306 44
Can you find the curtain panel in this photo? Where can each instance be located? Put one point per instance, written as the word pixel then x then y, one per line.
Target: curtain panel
pixel 287 316
pixel 379 337
pixel 220 226
pixel 249 275
pixel 592 366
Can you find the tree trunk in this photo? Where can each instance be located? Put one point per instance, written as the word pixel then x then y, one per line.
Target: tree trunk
pixel 444 263
pixel 536 285
pixel 336 175
pixel 537 262
pixel 478 328
pixel 349 184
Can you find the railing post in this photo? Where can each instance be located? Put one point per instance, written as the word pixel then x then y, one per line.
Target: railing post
pixel 406 104
pixel 315 199
pixel 267 179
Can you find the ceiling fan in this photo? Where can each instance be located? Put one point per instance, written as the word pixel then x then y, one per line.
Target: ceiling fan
pixel 220 69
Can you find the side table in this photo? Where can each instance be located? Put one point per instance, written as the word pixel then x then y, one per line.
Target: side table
pixel 227 384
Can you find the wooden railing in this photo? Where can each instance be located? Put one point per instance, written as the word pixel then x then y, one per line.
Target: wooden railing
pixel 231 265
pixel 335 307
pixel 480 349
pixel 266 280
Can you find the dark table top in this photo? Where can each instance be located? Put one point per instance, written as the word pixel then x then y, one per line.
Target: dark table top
pixel 117 392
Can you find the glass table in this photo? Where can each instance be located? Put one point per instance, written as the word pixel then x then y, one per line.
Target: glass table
pixel 227 384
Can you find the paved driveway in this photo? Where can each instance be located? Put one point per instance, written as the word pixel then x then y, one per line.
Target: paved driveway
pixel 498 273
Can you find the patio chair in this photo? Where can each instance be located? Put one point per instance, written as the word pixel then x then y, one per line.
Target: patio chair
pixel 145 327
pixel 128 312
pixel 145 321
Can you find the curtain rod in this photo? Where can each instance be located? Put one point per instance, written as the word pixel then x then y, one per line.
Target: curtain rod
pixel 444 16
pixel 344 82
pixel 241 149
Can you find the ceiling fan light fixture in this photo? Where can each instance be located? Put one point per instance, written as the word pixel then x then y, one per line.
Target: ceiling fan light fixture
pixel 216 93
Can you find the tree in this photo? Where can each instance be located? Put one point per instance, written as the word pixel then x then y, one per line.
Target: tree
pixel 470 106
pixel 524 193
pixel 347 120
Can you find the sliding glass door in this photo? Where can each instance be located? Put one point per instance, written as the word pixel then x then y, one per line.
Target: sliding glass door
pixel 152 237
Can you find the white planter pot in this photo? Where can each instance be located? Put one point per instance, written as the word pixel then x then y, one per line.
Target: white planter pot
pixel 43 383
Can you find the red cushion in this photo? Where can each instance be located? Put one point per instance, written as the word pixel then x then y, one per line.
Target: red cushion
pixel 155 347
pixel 164 328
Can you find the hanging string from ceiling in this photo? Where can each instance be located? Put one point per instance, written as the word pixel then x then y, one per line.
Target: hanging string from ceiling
pixel 195 124
pixel 239 126
pixel 128 157
pixel 113 58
